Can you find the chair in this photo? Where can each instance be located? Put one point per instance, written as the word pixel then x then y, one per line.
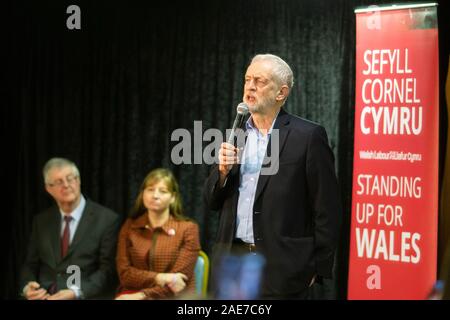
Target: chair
pixel 201 272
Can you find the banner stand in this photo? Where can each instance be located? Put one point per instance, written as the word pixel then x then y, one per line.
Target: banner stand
pixel 393 246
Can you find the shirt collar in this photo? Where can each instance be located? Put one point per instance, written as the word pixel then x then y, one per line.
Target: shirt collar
pixel 142 222
pixel 249 125
pixel 77 212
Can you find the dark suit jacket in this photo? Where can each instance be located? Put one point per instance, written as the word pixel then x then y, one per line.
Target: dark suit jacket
pixel 93 249
pixel 296 213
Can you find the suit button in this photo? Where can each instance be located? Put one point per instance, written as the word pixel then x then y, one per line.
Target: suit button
pixel 258 239
pixel 256 212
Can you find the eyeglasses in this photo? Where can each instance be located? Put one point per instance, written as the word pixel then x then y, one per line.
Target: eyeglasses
pixel 60 182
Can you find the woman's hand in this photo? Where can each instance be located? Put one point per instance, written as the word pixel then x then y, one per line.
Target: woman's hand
pixel 132 296
pixel 178 282
pixel 175 281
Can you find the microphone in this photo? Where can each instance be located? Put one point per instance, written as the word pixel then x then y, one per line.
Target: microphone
pixel 242 110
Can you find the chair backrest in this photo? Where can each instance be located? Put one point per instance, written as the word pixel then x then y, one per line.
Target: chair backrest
pixel 201 272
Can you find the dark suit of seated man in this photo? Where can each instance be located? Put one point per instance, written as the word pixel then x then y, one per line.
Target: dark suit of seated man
pixel 72 245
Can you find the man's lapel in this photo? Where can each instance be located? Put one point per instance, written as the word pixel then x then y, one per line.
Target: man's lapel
pixel 54 235
pixel 270 160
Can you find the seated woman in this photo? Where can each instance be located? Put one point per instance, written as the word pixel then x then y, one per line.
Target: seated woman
pixel 158 247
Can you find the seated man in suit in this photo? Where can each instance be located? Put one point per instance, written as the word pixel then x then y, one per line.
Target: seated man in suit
pixel 72 245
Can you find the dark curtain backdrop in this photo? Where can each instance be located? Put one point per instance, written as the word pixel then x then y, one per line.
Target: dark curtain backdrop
pixel 109 96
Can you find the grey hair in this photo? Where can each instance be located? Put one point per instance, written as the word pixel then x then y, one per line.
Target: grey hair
pixel 282 71
pixel 59 163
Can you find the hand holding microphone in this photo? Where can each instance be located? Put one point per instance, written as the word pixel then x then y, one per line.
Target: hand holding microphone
pixel 228 153
pixel 227 158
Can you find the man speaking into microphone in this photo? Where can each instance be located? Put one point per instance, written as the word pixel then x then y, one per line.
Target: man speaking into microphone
pixel 291 214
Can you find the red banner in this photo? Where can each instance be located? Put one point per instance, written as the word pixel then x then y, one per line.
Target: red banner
pixel 393 244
